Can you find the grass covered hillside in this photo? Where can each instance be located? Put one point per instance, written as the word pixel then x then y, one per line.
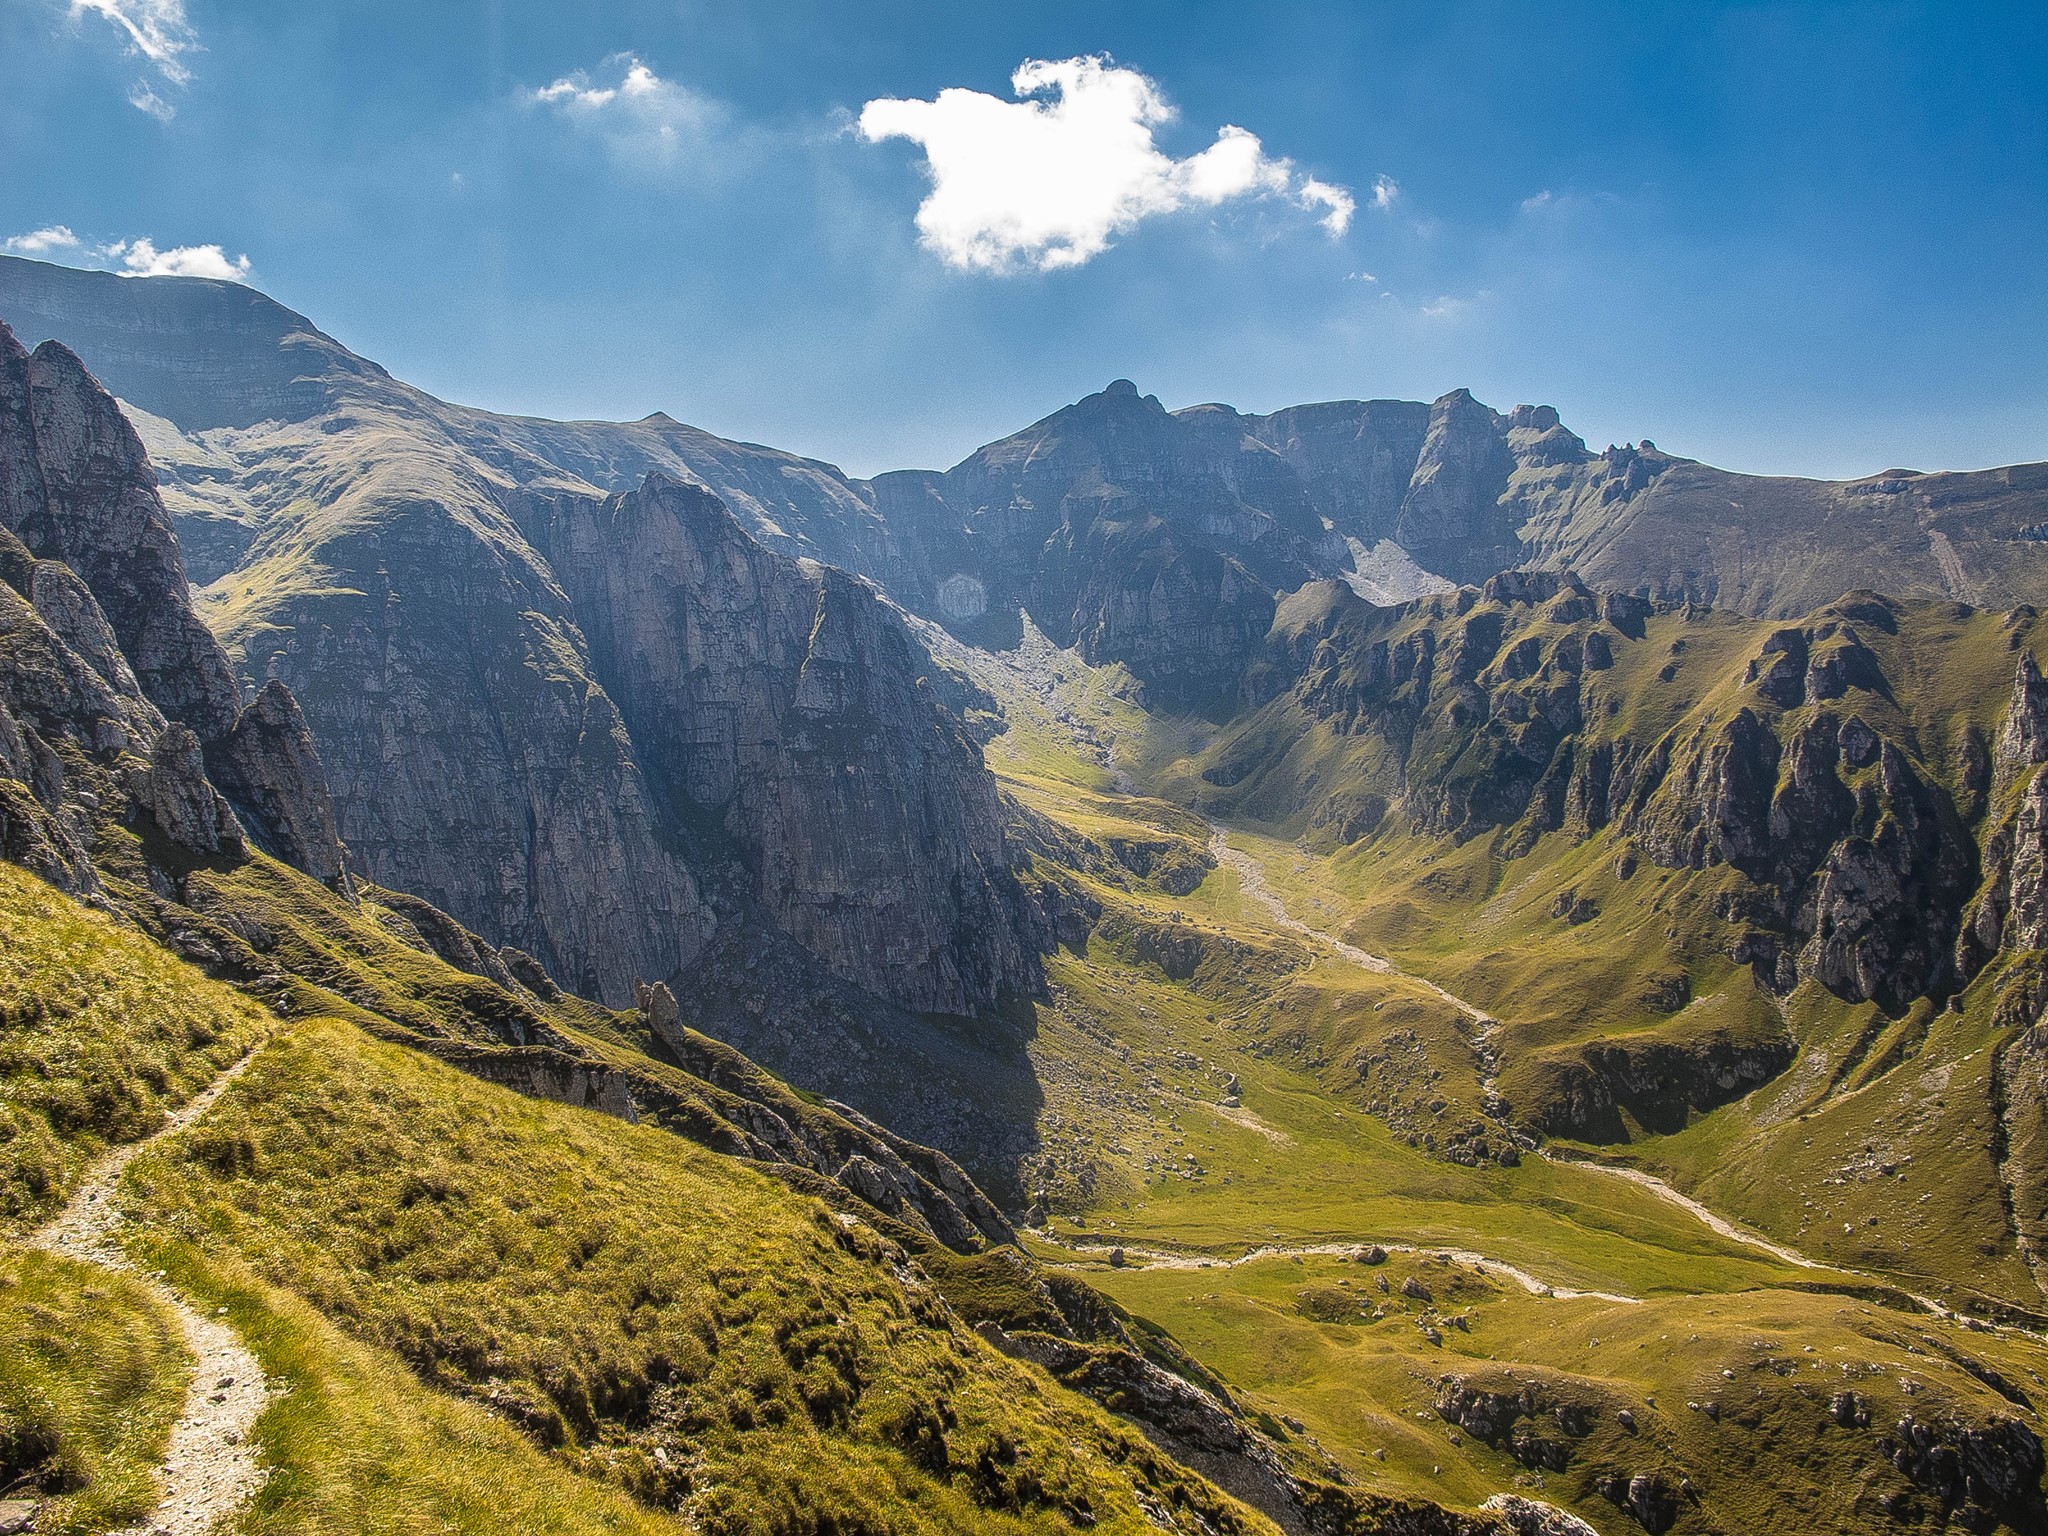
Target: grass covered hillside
pixel 1677 860
pixel 471 1302
pixel 101 1031
pixel 660 1318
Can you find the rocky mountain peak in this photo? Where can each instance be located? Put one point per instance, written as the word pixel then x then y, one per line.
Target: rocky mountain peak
pixel 100 564
pixel 2024 740
pixel 101 515
pixel 1451 519
pixel 1116 403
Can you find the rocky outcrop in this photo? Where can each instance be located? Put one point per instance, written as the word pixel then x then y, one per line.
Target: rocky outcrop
pixel 2011 912
pixel 1978 1476
pixel 99 513
pixel 1659 1083
pixel 1652 1499
pixel 268 765
pixel 119 644
pixel 782 704
pixel 181 800
pixel 1540 1424
pixel 1451 518
pixel 1532 1517
pixel 1193 1426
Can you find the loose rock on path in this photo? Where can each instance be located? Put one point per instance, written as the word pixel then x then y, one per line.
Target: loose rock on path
pixel 210 1466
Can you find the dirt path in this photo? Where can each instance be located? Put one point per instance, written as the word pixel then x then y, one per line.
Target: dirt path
pixel 1719 1225
pixel 1168 1258
pixel 210 1466
pixel 1252 882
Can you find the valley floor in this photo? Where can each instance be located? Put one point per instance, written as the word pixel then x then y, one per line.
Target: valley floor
pixel 1244 1140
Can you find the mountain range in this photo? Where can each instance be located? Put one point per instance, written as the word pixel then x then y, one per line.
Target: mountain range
pixel 1370 967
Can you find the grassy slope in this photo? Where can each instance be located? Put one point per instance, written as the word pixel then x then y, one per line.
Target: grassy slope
pixel 405 1245
pixel 1301 1336
pixel 670 1322
pixel 101 1033
pixel 92 1372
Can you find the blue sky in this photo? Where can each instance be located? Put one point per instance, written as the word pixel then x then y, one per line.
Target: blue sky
pixel 1793 238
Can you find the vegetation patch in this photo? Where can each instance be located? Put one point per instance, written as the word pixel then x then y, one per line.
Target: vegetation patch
pixel 658 1317
pixel 101 1034
pixel 92 1374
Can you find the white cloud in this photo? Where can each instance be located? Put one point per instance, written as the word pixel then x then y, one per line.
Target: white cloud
pixel 133 258
pixel 158 32
pixel 141 258
pixel 37 242
pixel 1339 203
pixel 144 99
pixel 1047 180
pixel 642 118
pixel 1385 193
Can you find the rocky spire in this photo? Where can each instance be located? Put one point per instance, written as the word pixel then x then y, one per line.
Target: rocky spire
pixel 90 546
pixel 101 515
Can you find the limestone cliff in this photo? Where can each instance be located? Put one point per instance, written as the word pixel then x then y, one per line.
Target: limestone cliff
pixel 109 648
pixel 781 704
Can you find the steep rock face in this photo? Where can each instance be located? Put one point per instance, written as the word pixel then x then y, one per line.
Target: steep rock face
pixel 473 757
pixel 100 514
pixel 63 732
pixel 794 506
pixel 99 563
pixel 2012 910
pixel 1450 517
pixel 782 702
pixel 1180 614
pixel 1153 538
pixel 268 764
pixel 1977 1475
pixel 1356 459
